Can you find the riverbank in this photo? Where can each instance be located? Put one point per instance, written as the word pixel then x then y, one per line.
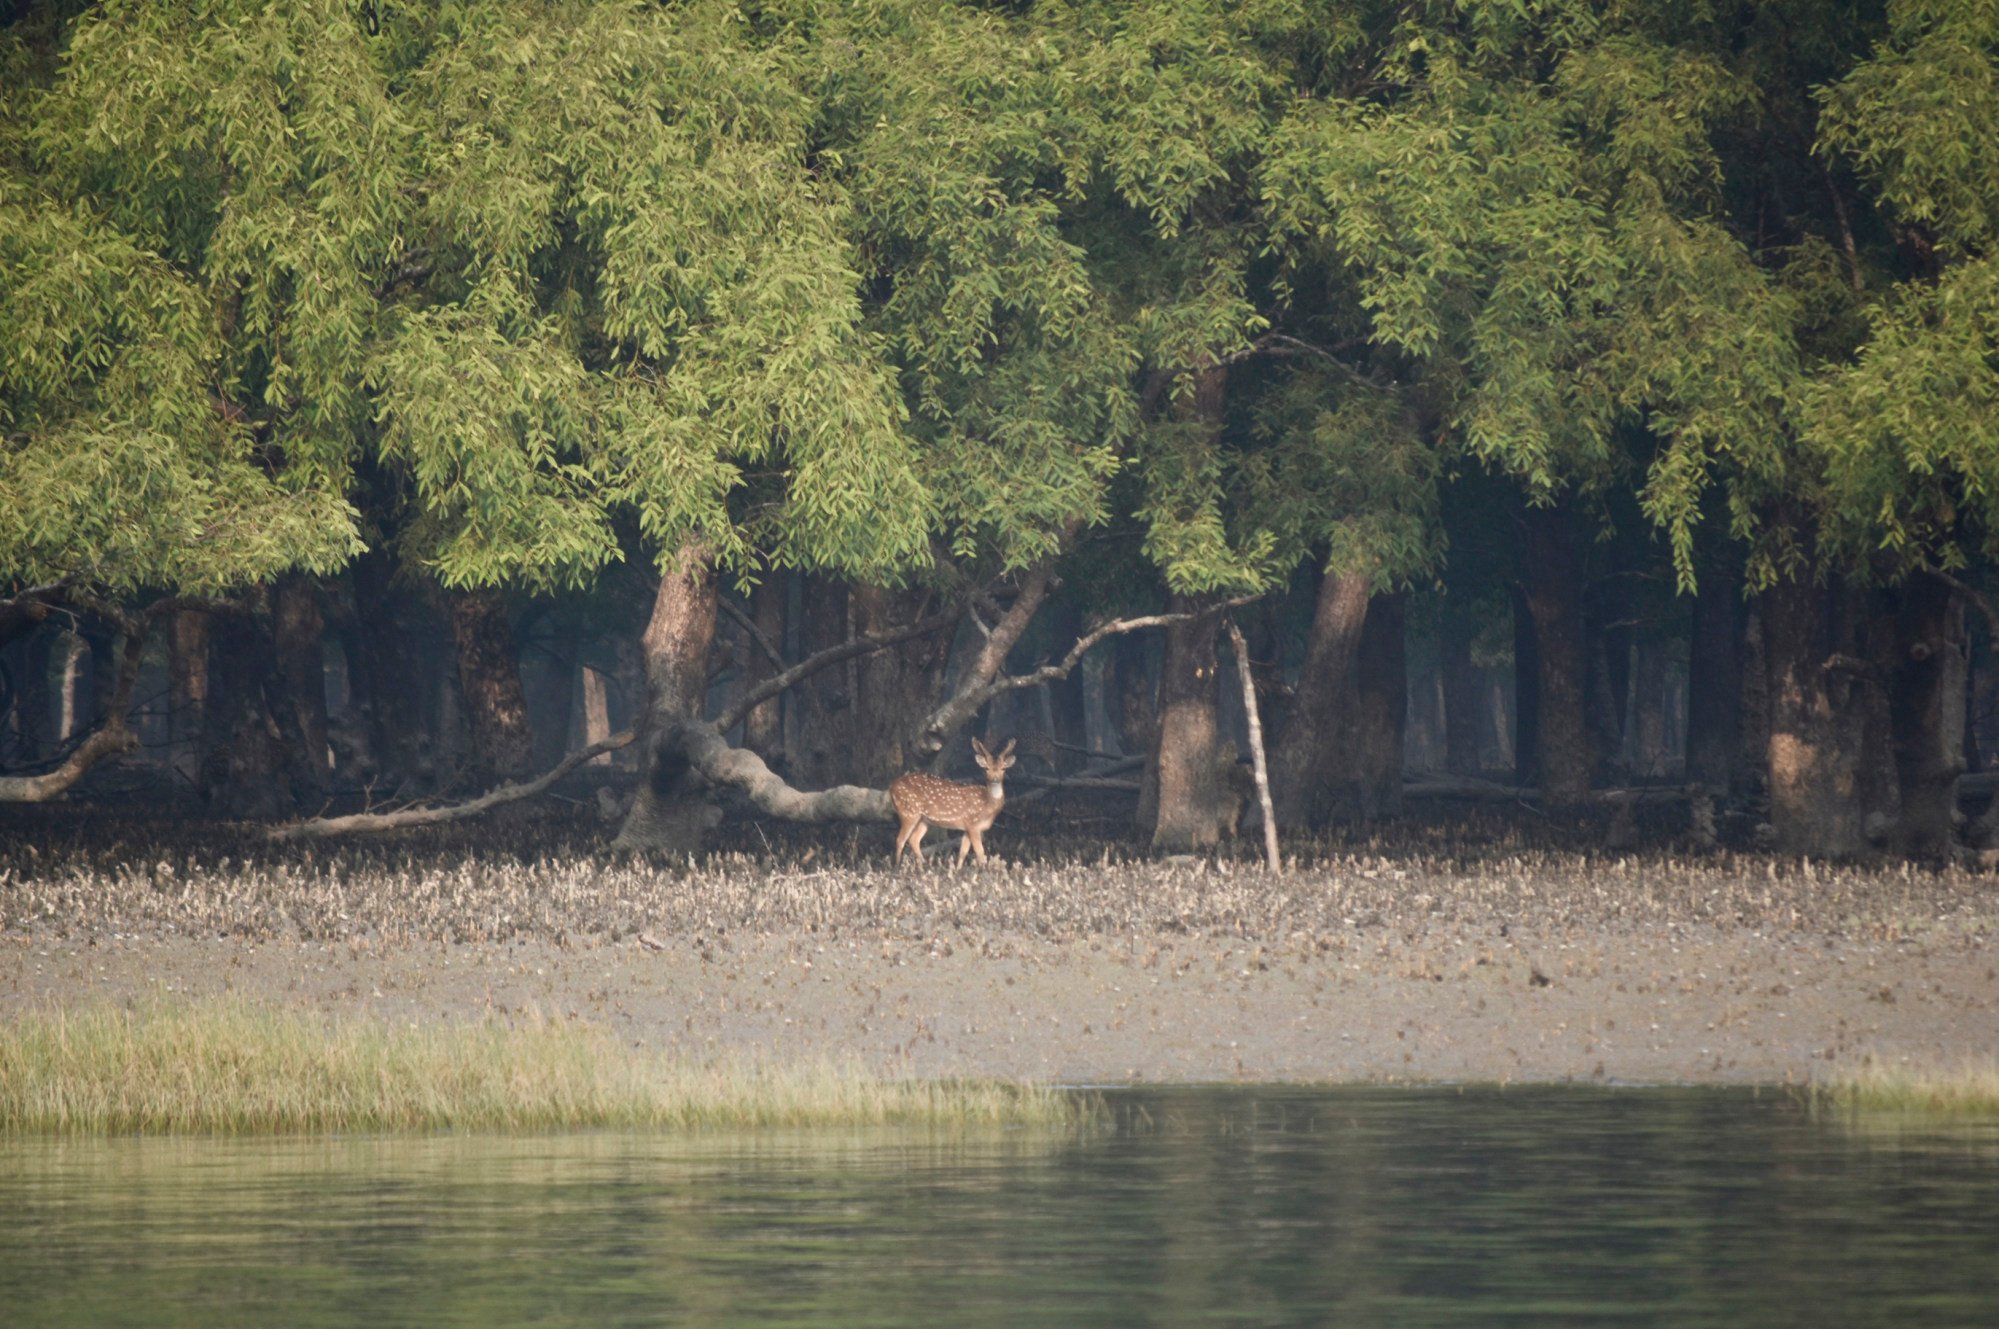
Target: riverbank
pixel 1357 967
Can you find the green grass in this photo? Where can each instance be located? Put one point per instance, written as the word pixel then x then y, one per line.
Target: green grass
pixel 229 1066
pixel 1969 1090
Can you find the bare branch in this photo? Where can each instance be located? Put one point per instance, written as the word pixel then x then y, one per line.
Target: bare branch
pixel 756 634
pixel 1262 769
pixel 832 655
pixel 1050 673
pixel 1978 600
pixel 319 827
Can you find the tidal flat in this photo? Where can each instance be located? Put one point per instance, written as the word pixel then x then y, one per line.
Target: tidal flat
pixel 1430 956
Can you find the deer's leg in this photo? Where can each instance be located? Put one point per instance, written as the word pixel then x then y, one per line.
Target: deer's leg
pixel 912 835
pixel 974 843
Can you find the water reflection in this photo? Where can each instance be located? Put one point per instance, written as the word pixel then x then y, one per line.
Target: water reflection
pixel 1241 1206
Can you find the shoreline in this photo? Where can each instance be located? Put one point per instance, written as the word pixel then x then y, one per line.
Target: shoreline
pixel 1501 966
pixel 1700 1006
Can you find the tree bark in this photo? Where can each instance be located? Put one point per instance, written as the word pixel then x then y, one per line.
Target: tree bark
pixel 392 640
pixel 1378 710
pixel 763 727
pixel 668 813
pixel 249 749
pixel 896 688
pixel 187 689
pixel 1466 714
pixel 823 703
pixel 1302 767
pixel 1185 761
pixel 489 680
pixel 1815 657
pixel 1552 584
pixel 297 630
pixel 1929 661
pixel 1715 656
pixel 1646 742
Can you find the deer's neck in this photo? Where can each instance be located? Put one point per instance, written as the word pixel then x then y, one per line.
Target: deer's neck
pixel 995 792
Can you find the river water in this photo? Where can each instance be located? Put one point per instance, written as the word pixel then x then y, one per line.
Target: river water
pixel 1239 1206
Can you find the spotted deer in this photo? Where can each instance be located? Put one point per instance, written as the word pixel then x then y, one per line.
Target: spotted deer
pixel 923 800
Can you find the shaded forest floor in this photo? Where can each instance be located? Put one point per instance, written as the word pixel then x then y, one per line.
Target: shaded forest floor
pixel 1425 948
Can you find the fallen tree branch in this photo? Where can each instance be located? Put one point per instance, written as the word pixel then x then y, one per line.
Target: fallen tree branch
pixel 111 740
pixel 320 827
pixel 743 770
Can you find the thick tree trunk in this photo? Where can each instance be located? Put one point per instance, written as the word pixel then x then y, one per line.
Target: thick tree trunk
pixel 1552 584
pixel 896 688
pixel 668 812
pixel 1311 744
pixel 1926 672
pixel 297 632
pixel 1819 784
pixel 1646 754
pixel 1185 761
pixel 824 702
pixel 489 681
pixel 187 689
pixel 1135 717
pixel 1378 711
pixel 1466 712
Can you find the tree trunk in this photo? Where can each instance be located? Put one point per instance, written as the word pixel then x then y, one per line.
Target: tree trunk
pixel 1715 673
pixel 1311 744
pixel 1526 696
pixel 1815 658
pixel 1135 717
pixel 1926 687
pixel 895 688
pixel 1378 710
pixel 247 751
pixel 549 683
pixel 1068 698
pixel 1647 731
pixel 297 630
pixel 392 640
pixel 824 702
pixel 1466 714
pixel 1553 588
pixel 668 812
pixel 187 689
pixel 1185 761
pixel 489 681
pixel 763 727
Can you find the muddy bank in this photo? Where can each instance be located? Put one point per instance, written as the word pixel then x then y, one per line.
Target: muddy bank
pixel 1523 967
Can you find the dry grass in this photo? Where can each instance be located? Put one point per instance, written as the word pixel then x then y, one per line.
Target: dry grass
pixel 1970 1090
pixel 230 1066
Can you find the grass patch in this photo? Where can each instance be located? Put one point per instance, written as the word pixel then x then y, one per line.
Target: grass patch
pixel 1970 1090
pixel 234 1067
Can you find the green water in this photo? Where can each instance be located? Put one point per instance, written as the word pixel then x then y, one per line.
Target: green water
pixel 1239 1206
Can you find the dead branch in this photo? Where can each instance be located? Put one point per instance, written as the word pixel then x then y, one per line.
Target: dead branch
pixel 320 827
pixel 1262 770
pixel 964 703
pixel 733 714
pixel 966 706
pixel 755 633
pixel 111 740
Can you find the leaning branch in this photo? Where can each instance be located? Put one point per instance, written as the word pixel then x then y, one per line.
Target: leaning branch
pixel 1050 673
pixel 321 827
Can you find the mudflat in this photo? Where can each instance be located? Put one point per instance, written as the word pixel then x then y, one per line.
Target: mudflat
pixel 1355 967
